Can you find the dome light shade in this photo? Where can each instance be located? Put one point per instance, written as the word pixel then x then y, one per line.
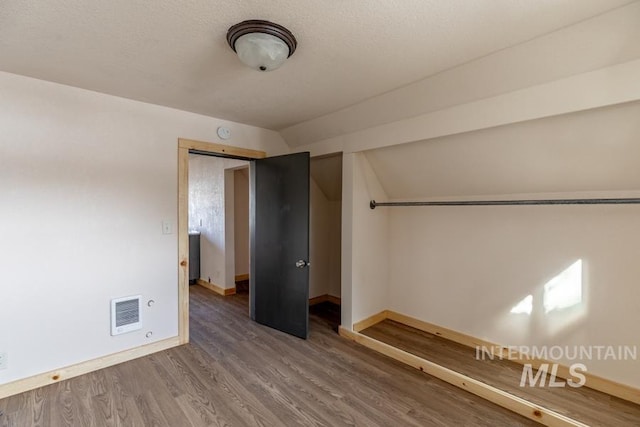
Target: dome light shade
pixel 262 51
pixel 262 45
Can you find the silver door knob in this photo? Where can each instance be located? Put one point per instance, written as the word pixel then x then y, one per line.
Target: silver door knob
pixel 302 263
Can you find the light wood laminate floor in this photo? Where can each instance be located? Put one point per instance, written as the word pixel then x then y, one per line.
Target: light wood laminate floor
pixel 238 373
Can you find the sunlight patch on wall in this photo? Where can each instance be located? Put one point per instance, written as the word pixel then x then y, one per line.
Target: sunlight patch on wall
pixel 524 307
pixel 564 290
pixel 561 292
pixel 555 306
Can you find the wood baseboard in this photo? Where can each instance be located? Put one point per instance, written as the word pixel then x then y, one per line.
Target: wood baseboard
pixel 516 404
pixel 317 300
pixel 370 321
pixel 55 376
pixel 242 277
pixel 449 334
pixel 324 298
pixel 595 382
pixel 334 300
pixel 215 288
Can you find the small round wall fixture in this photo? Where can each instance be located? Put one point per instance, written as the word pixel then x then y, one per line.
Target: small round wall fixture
pixel 223 132
pixel 262 45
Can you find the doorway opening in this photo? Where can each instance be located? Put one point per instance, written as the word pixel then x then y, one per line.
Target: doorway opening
pixel 217 202
pixel 213 222
pixel 206 191
pixel 325 229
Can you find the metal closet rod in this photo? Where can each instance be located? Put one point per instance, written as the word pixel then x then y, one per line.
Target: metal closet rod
pixel 623 201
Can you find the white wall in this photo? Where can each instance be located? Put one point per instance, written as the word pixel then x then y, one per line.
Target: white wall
pixel 335 247
pixel 229 276
pixel 466 268
pixel 211 212
pixel 324 243
pixel 86 181
pixel 365 248
pixel 326 225
pixel 241 214
pixel 319 250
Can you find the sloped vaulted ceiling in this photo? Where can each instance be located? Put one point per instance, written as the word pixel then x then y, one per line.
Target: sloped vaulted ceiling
pixel 174 53
pixel 595 150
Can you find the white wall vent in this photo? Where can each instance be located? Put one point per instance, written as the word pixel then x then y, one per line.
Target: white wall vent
pixel 125 314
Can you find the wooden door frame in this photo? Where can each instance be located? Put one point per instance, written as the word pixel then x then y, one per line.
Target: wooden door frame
pixel 210 148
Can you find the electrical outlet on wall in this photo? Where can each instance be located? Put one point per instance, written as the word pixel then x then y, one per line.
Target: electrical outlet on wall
pixel 4 361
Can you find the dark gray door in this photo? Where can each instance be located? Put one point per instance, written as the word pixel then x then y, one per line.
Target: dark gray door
pixel 279 228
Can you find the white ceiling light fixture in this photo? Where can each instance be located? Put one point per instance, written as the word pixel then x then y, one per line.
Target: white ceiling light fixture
pixel 262 45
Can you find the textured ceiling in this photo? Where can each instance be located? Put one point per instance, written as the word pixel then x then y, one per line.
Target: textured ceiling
pixel 599 42
pixel 174 53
